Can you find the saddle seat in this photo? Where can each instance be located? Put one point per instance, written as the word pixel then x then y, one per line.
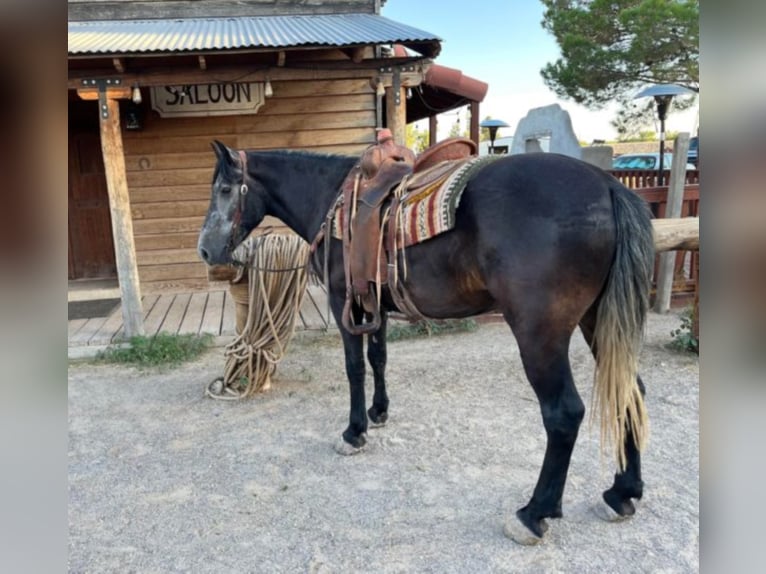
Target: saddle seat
pixel 385 168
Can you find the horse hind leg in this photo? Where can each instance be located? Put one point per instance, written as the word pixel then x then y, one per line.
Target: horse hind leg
pixel 617 501
pixel 545 356
pixel 377 356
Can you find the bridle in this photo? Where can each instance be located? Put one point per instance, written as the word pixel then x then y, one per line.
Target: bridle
pixel 243 190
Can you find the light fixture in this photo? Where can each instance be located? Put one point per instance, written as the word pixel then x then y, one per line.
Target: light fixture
pixel 136 95
pixel 379 89
pixel 134 119
pixel 267 90
pixel 663 94
pixel 492 126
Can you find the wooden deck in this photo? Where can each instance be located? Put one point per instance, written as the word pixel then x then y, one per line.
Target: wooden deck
pixel 204 312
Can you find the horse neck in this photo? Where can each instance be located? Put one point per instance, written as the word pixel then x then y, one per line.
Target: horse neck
pixel 302 187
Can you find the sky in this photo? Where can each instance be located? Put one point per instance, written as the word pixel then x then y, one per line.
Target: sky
pixel 502 43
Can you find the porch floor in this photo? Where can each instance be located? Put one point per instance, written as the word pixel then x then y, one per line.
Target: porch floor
pixel 180 313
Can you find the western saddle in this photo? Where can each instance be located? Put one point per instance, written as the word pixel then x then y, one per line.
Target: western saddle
pixel 369 196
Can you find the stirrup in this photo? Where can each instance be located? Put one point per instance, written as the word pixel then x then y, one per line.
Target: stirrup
pixel 364 328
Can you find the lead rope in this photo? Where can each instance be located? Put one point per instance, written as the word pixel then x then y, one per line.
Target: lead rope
pixel 275 292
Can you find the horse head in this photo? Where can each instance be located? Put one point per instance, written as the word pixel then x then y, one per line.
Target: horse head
pixel 236 206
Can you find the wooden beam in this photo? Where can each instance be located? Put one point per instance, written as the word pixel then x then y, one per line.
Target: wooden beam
pixel 433 125
pixel 673 210
pixel 121 93
pixel 676 234
pixel 281 57
pixel 335 70
pixel 202 62
pixel 474 129
pixel 355 54
pixel 122 224
pixel 396 113
pixel 118 65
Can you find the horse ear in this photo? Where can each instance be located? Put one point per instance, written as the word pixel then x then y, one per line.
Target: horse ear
pixel 224 153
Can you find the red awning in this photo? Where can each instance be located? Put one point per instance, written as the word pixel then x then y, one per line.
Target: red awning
pixel 442 90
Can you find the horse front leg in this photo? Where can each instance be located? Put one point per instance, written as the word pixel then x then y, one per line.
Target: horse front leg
pixel 355 435
pixel 377 356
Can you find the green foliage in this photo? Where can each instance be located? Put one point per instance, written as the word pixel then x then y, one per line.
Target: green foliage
pixel 611 47
pixel 161 350
pixel 430 328
pixel 415 139
pixel 455 130
pixel 683 338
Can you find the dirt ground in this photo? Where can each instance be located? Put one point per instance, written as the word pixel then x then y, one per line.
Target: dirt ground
pixel 162 479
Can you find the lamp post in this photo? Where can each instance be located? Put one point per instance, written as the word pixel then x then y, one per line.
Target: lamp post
pixel 492 126
pixel 663 95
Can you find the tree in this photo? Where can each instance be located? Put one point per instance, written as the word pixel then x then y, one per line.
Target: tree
pixel 415 139
pixel 609 48
pixel 455 131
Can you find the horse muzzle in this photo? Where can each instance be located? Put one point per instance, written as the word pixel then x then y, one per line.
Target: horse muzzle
pixel 214 246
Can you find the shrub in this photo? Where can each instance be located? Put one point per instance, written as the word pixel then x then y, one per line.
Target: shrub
pixel 163 349
pixel 683 338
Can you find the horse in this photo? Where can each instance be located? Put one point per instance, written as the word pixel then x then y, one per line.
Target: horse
pixel 550 242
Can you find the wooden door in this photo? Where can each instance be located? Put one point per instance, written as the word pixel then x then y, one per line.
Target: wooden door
pixel 91 247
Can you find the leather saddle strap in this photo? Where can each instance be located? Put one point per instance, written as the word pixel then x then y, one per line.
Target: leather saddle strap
pixel 396 287
pixel 347 320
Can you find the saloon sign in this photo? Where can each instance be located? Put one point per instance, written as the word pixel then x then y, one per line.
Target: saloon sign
pixel 207 99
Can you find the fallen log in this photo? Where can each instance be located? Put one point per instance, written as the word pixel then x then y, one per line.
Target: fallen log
pixel 674 234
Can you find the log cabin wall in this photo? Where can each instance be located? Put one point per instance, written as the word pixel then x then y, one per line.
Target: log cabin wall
pixel 170 164
pixel 84 10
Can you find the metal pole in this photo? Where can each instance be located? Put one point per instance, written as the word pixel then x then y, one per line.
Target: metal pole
pixel 660 174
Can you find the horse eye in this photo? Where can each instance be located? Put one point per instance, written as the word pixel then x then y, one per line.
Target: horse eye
pixel 226 190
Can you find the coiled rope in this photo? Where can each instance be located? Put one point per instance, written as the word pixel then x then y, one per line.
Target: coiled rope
pixel 277 275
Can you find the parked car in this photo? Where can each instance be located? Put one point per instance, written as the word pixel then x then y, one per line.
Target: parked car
pixel 694 149
pixel 644 161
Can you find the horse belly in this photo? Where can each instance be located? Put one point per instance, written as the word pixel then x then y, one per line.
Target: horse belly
pixel 444 279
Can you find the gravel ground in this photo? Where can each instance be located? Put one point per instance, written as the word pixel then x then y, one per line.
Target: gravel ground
pixel 162 479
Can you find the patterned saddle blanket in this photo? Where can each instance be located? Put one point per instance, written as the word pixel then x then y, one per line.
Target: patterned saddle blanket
pixel 428 201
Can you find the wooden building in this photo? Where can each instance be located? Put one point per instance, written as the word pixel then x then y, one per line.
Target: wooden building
pixel 152 82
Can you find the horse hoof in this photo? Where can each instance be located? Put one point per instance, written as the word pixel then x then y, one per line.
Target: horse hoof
pixel 377 419
pixel 519 533
pixel 346 449
pixel 607 513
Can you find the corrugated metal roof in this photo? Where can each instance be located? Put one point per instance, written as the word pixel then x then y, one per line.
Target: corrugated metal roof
pixel 203 34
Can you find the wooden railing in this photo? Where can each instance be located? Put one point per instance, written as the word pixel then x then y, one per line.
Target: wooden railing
pixel 686 272
pixel 641 178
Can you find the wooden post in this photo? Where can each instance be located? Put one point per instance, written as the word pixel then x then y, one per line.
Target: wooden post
pixel 474 133
pixel 396 113
pixel 122 223
pixel 696 309
pixel 675 202
pixel 433 125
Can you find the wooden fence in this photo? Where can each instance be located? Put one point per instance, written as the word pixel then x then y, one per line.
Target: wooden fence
pixel 641 178
pixel 643 183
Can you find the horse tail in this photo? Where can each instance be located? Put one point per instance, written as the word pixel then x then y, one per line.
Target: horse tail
pixel 620 325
